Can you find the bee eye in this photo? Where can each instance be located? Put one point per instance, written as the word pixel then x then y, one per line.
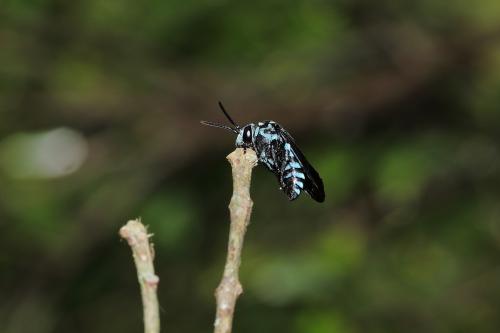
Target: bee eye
pixel 247 135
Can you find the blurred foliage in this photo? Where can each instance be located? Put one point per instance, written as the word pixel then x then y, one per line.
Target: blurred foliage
pixel 395 103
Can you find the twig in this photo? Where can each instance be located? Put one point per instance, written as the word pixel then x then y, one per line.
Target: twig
pixel 240 209
pixel 137 237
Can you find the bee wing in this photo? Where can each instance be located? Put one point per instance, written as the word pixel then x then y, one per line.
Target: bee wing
pixel 313 184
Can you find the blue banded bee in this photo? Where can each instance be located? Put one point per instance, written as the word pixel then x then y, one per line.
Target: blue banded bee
pixel 277 150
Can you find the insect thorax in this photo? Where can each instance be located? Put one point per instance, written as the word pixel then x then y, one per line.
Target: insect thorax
pixel 262 137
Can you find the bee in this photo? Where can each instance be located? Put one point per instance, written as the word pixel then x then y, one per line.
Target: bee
pixel 277 151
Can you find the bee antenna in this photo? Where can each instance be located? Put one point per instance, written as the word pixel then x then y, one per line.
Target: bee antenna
pixel 208 123
pixel 227 115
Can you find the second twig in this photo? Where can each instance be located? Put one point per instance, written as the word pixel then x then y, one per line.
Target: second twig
pixel 137 237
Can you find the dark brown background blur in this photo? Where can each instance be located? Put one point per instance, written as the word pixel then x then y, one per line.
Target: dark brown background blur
pixel 396 103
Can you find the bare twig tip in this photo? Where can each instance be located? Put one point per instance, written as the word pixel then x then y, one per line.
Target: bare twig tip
pixel 137 237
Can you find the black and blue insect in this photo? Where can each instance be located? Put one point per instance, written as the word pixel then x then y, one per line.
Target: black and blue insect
pixel 277 150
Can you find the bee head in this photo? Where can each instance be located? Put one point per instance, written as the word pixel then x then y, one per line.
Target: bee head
pixel 245 136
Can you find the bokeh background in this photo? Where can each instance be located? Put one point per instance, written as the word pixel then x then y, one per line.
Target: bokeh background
pixel 396 103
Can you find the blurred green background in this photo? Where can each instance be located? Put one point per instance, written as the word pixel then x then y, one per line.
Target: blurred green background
pixel 395 103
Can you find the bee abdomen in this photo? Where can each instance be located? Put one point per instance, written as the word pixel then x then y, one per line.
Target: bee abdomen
pixel 293 180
